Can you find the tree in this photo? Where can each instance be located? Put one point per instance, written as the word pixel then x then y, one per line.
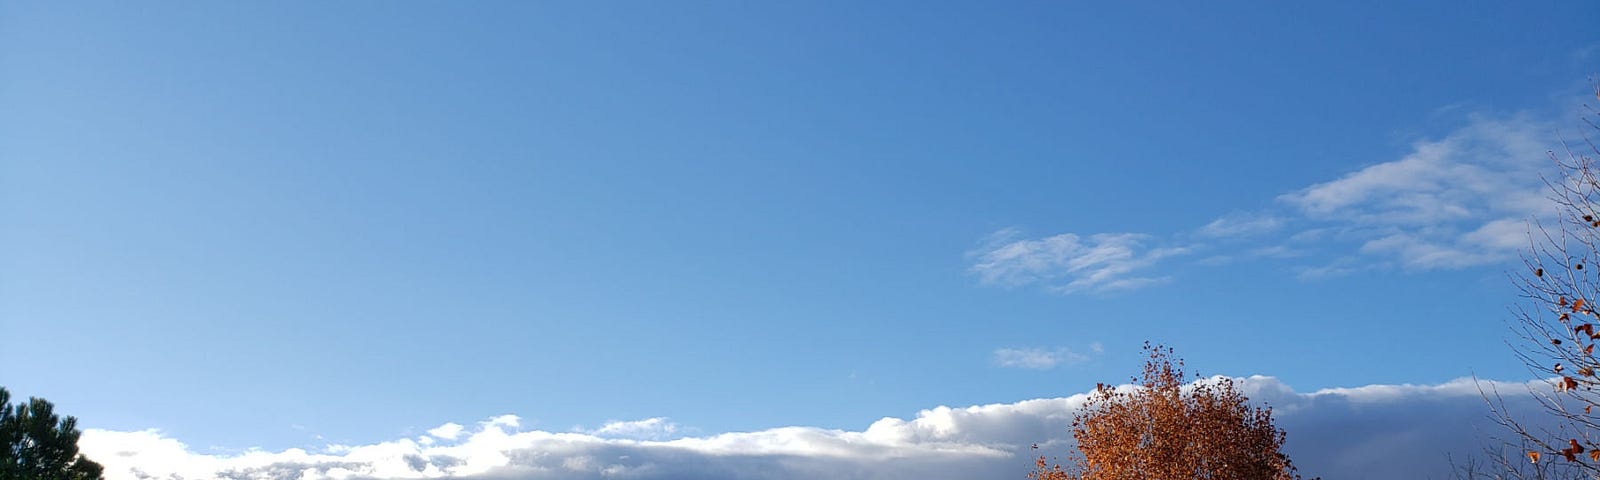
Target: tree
pixel 1167 428
pixel 37 445
pixel 1557 328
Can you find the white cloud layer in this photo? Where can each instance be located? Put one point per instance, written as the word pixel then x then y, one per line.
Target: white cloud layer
pixel 658 428
pixel 1375 432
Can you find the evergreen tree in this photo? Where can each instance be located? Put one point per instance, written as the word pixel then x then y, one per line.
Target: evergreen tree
pixel 37 445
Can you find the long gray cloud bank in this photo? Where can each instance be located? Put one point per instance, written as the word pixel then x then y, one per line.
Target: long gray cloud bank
pixel 1373 432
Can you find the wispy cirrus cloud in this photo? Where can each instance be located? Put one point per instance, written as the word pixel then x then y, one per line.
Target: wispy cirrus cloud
pixel 1457 201
pixel 1488 166
pixel 1042 358
pixel 1378 432
pixel 1453 202
pixel 1069 263
pixel 1242 224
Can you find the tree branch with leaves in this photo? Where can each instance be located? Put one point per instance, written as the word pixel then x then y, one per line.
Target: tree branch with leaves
pixel 1557 327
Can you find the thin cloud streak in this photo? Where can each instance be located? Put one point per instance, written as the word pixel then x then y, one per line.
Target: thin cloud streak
pixel 1068 263
pixel 1040 358
pixel 1242 225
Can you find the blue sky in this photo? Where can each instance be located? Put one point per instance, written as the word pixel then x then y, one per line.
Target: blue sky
pixel 290 225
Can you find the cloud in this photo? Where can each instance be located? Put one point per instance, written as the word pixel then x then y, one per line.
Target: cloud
pixel 1341 267
pixel 512 421
pixel 448 431
pixel 1449 203
pixel 1039 358
pixel 1458 201
pixel 658 428
pixel 1375 432
pixel 1067 263
pixel 1489 165
pixel 1240 224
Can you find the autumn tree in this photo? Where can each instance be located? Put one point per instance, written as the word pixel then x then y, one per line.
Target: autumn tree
pixel 1168 428
pixel 1557 328
pixel 35 444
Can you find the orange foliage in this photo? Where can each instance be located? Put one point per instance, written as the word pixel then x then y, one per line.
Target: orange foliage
pixel 1166 430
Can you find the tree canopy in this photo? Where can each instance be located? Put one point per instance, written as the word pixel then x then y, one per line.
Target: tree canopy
pixel 1167 428
pixel 35 444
